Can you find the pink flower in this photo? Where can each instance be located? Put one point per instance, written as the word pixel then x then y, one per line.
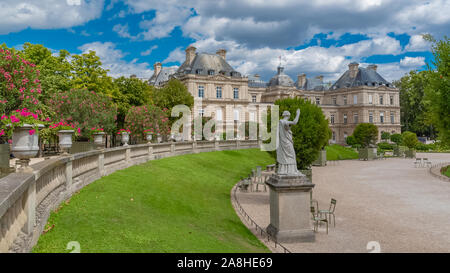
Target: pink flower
pixel 14 119
pixel 31 132
pixel 79 130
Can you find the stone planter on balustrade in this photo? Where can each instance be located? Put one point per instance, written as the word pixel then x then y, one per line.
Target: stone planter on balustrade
pixel 125 138
pixel 367 153
pixel 148 137
pixel 65 140
pixel 98 139
pixel 25 146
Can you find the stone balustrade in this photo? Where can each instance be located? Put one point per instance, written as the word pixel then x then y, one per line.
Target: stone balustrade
pixel 26 199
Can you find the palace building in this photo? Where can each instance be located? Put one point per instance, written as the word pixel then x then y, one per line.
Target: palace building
pixel 360 95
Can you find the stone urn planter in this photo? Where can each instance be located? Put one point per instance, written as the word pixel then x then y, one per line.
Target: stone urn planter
pixel 367 153
pixel 25 146
pixel 322 159
pixel 148 137
pixel 410 153
pixel 125 138
pixel 98 139
pixel 65 140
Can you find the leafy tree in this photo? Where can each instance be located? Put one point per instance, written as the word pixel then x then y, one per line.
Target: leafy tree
pixel 437 90
pixel 310 134
pixel 396 138
pixel 409 139
pixel 85 109
pixel 130 92
pixel 412 105
pixel 366 134
pixel 351 140
pixel 385 136
pixel 172 94
pixel 88 74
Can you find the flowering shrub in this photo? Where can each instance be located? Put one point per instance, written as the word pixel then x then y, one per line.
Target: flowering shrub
pixel 18 118
pixel 124 131
pixel 147 118
pixel 96 130
pixel 63 125
pixel 85 109
pixel 19 83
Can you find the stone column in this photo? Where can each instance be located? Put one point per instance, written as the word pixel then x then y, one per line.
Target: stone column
pixel 290 208
pixel 69 173
pixel 150 152
pixel 30 208
pixel 101 164
pixel 172 148
pixel 127 155
pixel 216 145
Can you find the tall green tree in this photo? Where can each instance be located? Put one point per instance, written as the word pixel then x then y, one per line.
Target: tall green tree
pixel 412 104
pixel 173 93
pixel 437 90
pixel 89 74
pixel 130 92
pixel 366 134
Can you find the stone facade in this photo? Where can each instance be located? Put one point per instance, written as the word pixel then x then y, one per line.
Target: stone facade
pixel 359 95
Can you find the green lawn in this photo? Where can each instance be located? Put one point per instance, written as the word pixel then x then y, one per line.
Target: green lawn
pixel 338 152
pixel 447 171
pixel 177 204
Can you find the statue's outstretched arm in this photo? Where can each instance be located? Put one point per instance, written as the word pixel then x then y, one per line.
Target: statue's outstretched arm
pixel 296 118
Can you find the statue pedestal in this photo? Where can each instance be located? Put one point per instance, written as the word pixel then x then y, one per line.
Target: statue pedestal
pixel 290 208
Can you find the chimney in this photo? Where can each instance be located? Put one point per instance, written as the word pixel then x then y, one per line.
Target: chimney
pixel 157 68
pixel 301 80
pixel 222 53
pixel 373 67
pixel 353 68
pixel 190 54
pixel 320 78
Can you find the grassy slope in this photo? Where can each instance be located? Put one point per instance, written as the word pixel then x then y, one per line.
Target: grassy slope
pixel 337 152
pixel 447 172
pixel 178 204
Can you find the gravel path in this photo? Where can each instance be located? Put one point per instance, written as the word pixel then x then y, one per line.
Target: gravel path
pixel 403 208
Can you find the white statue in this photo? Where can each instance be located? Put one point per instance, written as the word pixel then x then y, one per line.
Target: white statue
pixel 287 164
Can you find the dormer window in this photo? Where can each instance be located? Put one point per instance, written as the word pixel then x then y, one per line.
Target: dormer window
pixel 198 71
pixel 210 72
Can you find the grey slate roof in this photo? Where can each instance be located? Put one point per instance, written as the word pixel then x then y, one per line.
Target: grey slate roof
pixel 205 62
pixel 256 82
pixel 365 76
pixel 281 79
pixel 312 84
pixel 163 76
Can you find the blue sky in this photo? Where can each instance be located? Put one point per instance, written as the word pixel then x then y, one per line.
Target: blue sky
pixel 313 37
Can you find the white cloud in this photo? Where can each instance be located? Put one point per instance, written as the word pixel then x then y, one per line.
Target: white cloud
pixel 177 55
pixel 123 31
pixel 412 62
pixel 417 43
pixel 149 51
pixel 46 14
pixel 112 59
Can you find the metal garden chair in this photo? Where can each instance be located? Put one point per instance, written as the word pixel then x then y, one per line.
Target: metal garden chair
pixel 317 218
pixel 418 162
pixel 426 162
pixel 330 212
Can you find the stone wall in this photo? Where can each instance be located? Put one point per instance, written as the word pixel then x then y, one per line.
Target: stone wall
pixel 26 200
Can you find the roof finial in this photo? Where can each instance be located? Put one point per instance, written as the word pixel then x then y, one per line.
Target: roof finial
pixel 279 57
